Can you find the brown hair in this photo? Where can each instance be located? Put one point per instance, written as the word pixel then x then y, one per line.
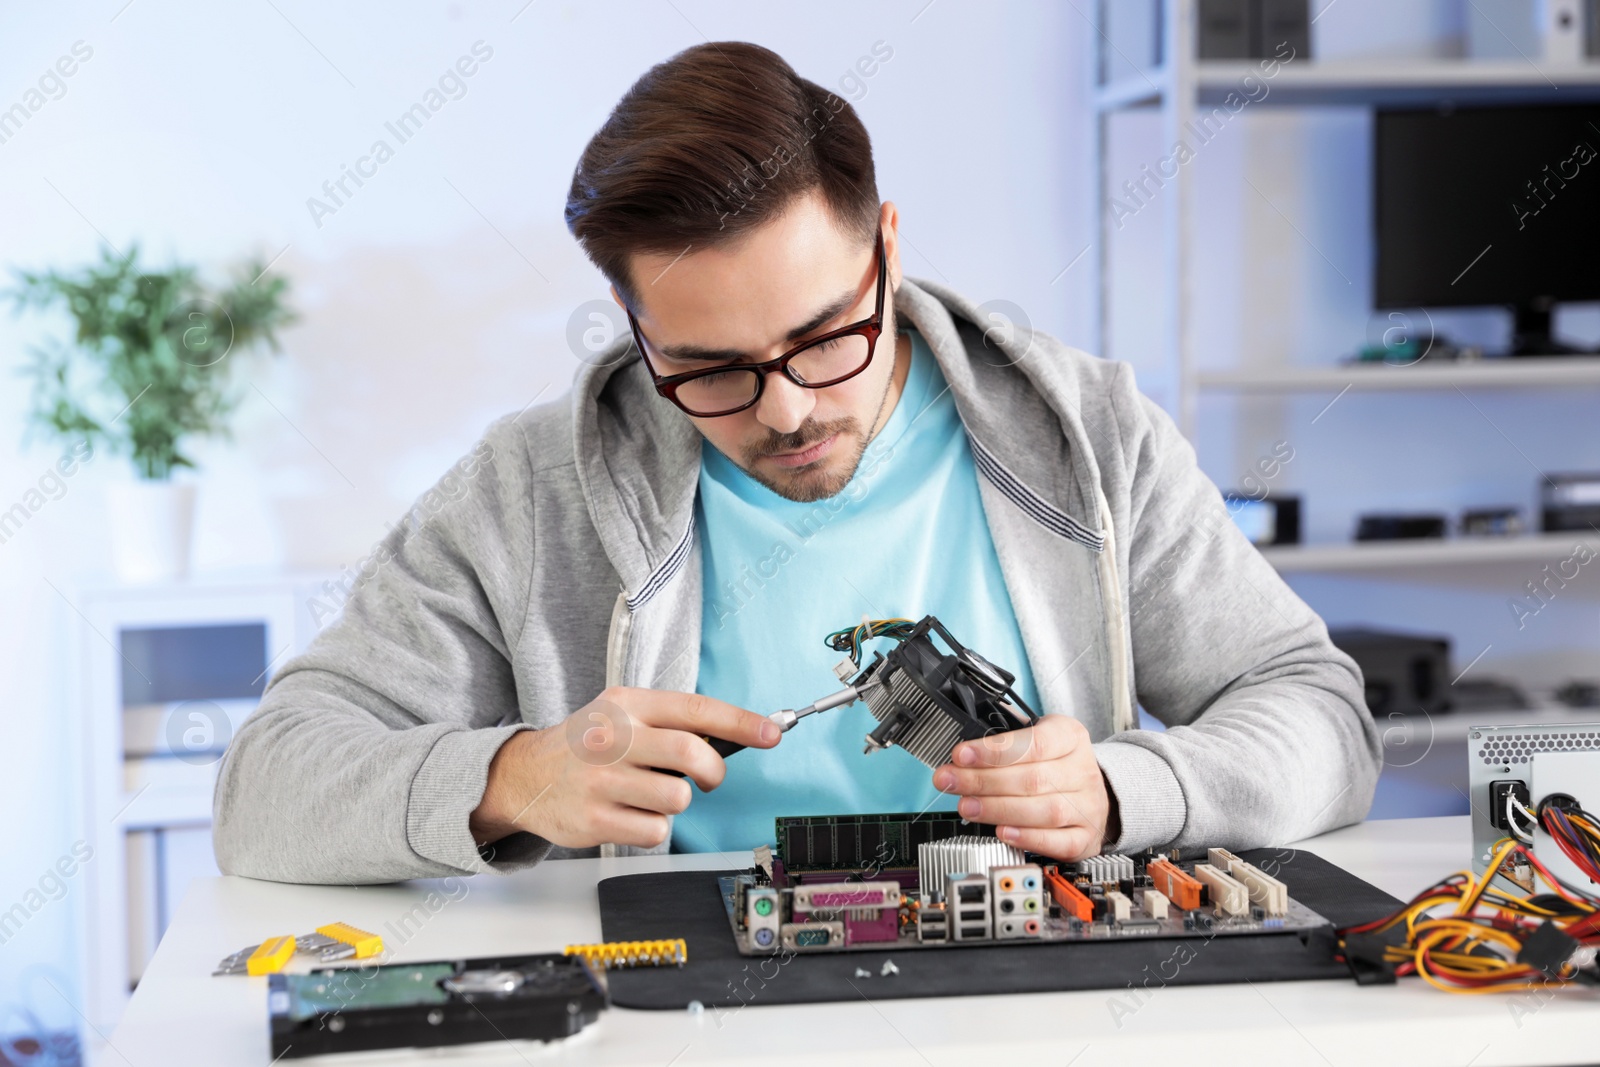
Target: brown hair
pixel 707 146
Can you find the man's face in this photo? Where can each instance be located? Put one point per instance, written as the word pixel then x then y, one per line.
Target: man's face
pixel 793 279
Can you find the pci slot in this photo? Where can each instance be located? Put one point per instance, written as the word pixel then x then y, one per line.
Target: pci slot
pixel 1068 897
pixel 1174 884
pixel 1266 892
pixel 1227 893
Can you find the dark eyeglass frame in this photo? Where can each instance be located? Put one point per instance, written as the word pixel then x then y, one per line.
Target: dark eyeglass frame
pixel 871 328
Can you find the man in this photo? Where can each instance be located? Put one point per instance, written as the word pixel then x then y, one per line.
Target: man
pixel 793 436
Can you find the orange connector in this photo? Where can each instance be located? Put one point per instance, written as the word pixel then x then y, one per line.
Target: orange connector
pixel 1067 896
pixel 1178 887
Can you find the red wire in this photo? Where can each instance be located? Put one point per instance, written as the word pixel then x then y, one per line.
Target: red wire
pixel 1453 888
pixel 1563 841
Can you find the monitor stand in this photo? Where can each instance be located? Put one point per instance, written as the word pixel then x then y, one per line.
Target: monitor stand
pixel 1531 334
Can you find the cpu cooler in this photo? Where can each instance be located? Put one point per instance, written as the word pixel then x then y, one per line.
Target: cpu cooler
pixel 927 700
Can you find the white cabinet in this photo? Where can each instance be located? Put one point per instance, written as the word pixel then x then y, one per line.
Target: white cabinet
pixel 167 674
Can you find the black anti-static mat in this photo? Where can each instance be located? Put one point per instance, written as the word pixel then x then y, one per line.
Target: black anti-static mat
pixel 688 904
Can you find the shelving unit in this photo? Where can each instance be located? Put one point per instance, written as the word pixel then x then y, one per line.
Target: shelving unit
pixel 1419 82
pixel 1425 553
pixel 1182 89
pixel 152 722
pixel 1524 373
pixel 1182 85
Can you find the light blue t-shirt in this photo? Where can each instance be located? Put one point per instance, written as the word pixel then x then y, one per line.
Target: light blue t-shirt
pixel 906 537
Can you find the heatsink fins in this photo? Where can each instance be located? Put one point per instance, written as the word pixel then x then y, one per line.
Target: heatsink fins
pixel 967 854
pixel 932 734
pixel 1113 868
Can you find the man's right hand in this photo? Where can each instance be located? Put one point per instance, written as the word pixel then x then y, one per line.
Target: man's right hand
pixel 591 780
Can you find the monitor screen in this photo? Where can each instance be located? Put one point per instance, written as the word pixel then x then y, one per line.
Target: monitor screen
pixel 1482 206
pixel 1256 519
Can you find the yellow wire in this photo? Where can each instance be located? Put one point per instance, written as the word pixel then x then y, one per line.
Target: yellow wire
pixel 1466 966
pixel 872 628
pixel 1464 931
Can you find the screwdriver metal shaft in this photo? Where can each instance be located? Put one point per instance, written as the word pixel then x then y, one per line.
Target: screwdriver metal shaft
pixel 787 718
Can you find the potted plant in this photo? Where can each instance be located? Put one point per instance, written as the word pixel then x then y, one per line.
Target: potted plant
pixel 150 367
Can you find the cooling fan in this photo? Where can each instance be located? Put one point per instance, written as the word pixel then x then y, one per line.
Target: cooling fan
pixel 926 700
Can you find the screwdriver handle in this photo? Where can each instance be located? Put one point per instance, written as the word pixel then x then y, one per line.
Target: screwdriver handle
pixel 723 748
pixel 720 746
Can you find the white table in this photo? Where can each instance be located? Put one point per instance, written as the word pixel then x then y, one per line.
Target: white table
pixel 182 1015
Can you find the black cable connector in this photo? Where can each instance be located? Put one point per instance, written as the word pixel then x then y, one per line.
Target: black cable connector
pixel 1549 948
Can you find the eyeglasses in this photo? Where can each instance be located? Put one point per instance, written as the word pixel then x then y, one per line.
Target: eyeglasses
pixel 836 356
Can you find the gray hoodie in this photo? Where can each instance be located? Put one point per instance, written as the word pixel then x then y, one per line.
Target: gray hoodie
pixel 561 557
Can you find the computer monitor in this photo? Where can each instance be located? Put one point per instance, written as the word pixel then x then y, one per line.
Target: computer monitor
pixel 1488 205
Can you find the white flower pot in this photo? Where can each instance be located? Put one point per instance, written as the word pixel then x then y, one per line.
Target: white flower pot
pixel 151 526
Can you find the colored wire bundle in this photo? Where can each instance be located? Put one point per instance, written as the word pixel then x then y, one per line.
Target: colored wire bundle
pixel 1576 832
pixel 851 639
pixel 1475 946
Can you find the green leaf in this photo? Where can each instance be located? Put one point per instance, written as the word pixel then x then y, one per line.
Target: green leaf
pixel 153 355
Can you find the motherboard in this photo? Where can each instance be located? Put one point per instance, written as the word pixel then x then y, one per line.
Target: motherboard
pixel 922 881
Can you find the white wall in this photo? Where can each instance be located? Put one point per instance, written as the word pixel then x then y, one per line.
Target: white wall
pixel 200 130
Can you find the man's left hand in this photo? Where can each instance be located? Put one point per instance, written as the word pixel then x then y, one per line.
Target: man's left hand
pixel 1041 787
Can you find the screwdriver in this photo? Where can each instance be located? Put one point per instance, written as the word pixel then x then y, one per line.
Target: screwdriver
pixel 786 719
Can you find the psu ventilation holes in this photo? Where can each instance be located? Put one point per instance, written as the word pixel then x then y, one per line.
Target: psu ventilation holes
pixel 1517 748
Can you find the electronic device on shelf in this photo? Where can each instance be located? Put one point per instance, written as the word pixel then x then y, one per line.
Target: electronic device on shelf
pixel 1579 694
pixel 1384 526
pixel 918 881
pixel 1569 502
pixel 1404 673
pixel 1487 694
pixel 1408 350
pixel 1491 522
pixel 1250 29
pixel 1486 206
pixel 334 1009
pixel 1265 520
